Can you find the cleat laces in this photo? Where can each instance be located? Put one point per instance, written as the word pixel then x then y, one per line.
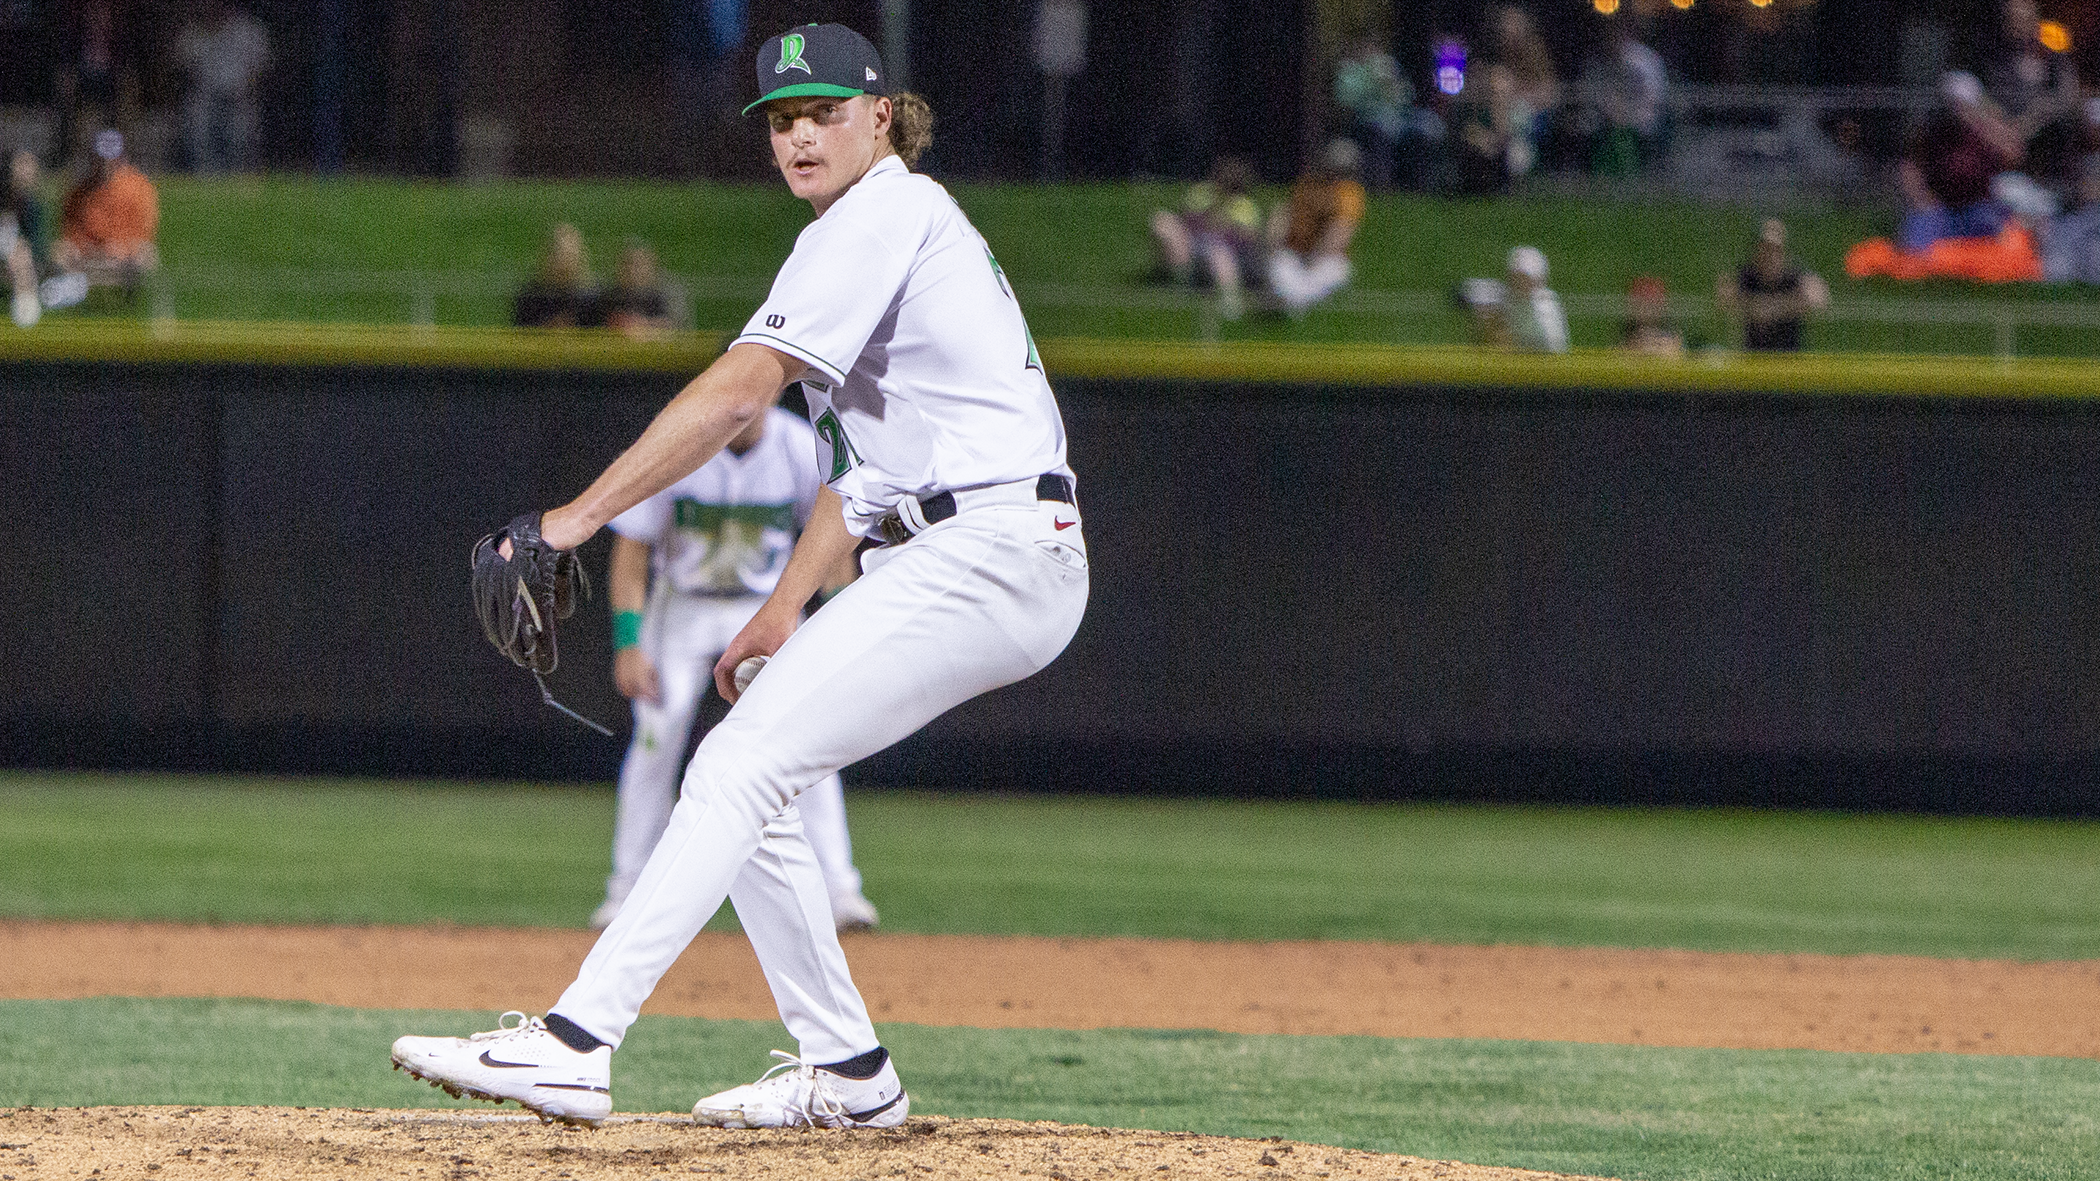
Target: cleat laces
pixel 805 1098
pixel 505 1031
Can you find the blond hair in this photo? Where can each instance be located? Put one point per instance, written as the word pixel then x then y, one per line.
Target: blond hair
pixel 911 126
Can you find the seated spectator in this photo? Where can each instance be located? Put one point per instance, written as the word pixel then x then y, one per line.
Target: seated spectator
pixel 1772 293
pixel 108 222
pixel 2071 241
pixel 23 246
pixel 1312 233
pixel 1948 167
pixel 562 293
pixel 1649 330
pixel 1493 130
pixel 635 305
pixel 1520 313
pixel 1220 227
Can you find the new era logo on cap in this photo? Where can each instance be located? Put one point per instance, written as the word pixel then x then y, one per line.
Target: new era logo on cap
pixel 829 61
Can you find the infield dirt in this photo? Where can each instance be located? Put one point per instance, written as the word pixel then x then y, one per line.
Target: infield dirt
pixel 1896 1004
pixel 277 1142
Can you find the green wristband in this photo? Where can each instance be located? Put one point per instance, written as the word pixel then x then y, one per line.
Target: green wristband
pixel 627 629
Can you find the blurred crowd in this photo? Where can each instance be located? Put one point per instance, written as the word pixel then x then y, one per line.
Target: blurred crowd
pixel 1490 120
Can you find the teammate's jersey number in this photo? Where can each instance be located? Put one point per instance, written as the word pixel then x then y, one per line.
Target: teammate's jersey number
pixel 833 432
pixel 1035 359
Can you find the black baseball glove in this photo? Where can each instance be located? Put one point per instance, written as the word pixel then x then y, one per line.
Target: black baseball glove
pixel 521 598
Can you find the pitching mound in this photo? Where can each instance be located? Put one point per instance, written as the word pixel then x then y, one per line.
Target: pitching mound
pixel 277 1142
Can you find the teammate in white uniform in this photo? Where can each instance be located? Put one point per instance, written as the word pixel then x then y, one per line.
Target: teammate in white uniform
pixel 715 543
pixel 937 434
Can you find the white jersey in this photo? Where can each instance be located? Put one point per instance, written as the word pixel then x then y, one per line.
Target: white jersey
pixel 926 377
pixel 728 528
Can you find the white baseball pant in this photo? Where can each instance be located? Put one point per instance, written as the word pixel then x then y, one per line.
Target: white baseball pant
pixel 683 636
pixel 977 601
pixel 1301 282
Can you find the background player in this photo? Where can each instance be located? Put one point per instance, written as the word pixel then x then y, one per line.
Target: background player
pixel 715 543
pixel 942 439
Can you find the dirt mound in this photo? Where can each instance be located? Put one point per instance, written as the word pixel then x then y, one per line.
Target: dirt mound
pixel 360 1144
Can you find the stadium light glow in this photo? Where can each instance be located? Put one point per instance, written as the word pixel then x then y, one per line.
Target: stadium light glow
pixel 1607 7
pixel 2055 36
pixel 1680 5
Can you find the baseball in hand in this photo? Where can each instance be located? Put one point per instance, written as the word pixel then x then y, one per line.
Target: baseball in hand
pixel 747 672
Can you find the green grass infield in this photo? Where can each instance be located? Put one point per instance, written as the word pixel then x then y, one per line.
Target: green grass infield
pixel 202 849
pixel 1618 1111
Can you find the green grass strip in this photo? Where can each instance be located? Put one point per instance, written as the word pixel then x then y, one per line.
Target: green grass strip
pixel 319 851
pixel 379 250
pixel 1630 1112
pixel 1583 372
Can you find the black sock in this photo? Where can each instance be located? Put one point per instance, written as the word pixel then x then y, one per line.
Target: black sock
pixel 572 1035
pixel 863 1068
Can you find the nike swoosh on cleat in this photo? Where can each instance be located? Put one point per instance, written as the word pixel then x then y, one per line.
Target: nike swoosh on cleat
pixel 488 1061
pixel 861 1117
pixel 1062 525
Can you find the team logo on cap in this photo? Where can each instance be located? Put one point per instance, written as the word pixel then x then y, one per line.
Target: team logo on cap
pixel 791 55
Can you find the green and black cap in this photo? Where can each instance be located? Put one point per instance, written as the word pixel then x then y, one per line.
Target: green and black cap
pixel 831 61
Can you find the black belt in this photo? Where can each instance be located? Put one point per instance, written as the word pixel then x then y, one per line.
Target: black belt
pixel 941 506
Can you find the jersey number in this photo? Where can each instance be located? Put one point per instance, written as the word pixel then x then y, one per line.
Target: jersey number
pixel 843 456
pixel 1035 359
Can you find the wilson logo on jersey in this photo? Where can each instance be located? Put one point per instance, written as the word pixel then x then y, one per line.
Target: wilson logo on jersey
pixel 833 432
pixel 791 55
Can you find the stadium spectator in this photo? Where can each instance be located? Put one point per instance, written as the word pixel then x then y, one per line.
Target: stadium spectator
pixel 106 226
pixel 1649 330
pixel 1377 102
pixel 1535 83
pixel 23 246
pixel 2071 240
pixel 2033 82
pixel 636 305
pixel 1627 86
pixel 1220 227
pixel 1521 312
pixel 223 52
pixel 1313 231
pixel 1948 167
pixel 561 293
pixel 1772 294
pixel 94 85
pixel 1493 134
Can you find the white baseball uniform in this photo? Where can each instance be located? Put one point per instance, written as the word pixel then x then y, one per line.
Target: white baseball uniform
pixel 925 382
pixel 718 540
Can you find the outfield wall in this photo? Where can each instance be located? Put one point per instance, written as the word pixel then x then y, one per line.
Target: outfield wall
pixel 1868 600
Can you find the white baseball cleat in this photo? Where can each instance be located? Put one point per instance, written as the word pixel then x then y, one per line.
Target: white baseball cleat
pixel 853 912
pixel 807 1095
pixel 522 1062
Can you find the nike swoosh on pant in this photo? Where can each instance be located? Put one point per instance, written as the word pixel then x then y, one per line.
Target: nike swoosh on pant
pixel 488 1061
pixel 861 1117
pixel 1061 526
